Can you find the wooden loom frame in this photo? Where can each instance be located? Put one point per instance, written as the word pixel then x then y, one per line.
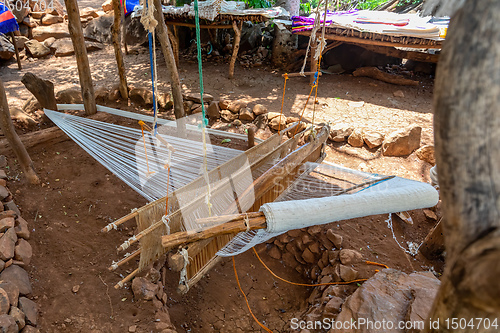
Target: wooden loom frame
pixel 202 254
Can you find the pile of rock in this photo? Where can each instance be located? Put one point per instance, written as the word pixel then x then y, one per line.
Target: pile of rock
pixel 48 32
pixel 398 143
pixel 150 288
pixel 17 312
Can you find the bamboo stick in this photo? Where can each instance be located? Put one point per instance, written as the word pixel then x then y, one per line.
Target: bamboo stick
pixel 126 279
pixel 227 218
pixel 121 220
pixel 158 136
pixel 300 74
pixel 124 260
pixel 179 238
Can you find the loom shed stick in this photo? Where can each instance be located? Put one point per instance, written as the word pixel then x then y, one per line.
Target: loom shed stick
pixel 158 136
pixel 125 260
pixel 121 220
pixel 126 279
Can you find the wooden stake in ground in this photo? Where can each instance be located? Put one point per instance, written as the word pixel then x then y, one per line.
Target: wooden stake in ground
pixel 168 54
pixel 118 50
pixel 467 106
pixel 16 50
pixel 14 141
pixel 236 46
pixel 43 90
pixel 82 61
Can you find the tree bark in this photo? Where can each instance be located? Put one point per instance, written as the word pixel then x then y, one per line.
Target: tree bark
pixel 236 46
pixel 467 137
pixel 43 90
pixel 116 32
pixel 82 61
pixel 377 74
pixel 14 141
pixel 168 54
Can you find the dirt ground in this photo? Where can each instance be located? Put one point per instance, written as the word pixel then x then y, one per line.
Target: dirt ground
pixel 79 197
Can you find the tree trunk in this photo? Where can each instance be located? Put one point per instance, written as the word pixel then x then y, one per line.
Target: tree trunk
pixel 168 54
pixel 118 50
pixel 82 61
pixel 43 90
pixel 467 137
pixel 14 141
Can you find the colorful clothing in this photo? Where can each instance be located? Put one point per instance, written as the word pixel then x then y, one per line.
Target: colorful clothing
pixel 129 6
pixel 8 21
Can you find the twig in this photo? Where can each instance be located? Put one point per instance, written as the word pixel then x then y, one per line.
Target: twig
pixel 109 298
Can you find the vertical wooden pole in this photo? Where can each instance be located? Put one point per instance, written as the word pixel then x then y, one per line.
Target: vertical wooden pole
pixel 17 146
pixel 236 47
pixel 16 50
pixel 118 50
pixel 168 54
pixel 82 61
pixel 123 29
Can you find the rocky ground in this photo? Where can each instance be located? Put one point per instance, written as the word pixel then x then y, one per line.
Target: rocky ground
pixel 376 127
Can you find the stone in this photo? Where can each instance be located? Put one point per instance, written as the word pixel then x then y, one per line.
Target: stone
pixel 196 97
pixel 49 19
pixel 88 12
pixel 236 106
pixel 75 288
pixel 291 120
pixel 101 94
pixel 22 229
pixel 165 101
pixel 213 110
pixel 4 302
pixel 7 50
pixel 289 259
pixel 430 214
pixel 99 29
pixel 426 154
pixel 332 308
pixel 21 117
pixel 135 34
pixel 308 256
pixel 246 114
pixel 373 139
pixel 314 248
pixel 37 15
pixel 57 31
pixel 12 291
pixel 340 131
pixel 261 122
pixel 259 109
pixel 144 289
pixel 334 238
pixel 69 96
pixel 8 324
pixel 141 95
pixel 30 309
pixel 402 142
pixel 7 244
pixel 20 40
pixel 18 316
pixel 237 122
pixel 6 223
pixel 224 104
pixel 278 123
pixel 10 205
pixel 19 277
pixel 36 49
pixel 29 22
pixel 132 329
pixel 348 256
pixel 396 296
pixel 187 106
pixel 399 93
pixel 31 329
pixel 228 115
pixel 274 252
pixel 356 138
pixel 23 252
pixel 31 105
pixel 272 115
pixel 347 273
pixel 63 47
pixel 196 108
pixel 107 5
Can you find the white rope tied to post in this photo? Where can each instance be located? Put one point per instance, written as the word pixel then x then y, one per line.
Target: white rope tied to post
pixel 166 222
pixel 183 276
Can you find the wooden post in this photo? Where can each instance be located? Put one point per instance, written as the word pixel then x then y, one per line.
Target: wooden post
pixel 118 50
pixel 14 141
pixel 467 105
pixel 43 90
pixel 433 244
pixel 236 47
pixel 168 54
pixel 16 50
pixel 82 61
pixel 122 29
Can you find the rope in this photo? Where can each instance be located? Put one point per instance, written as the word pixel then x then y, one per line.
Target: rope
pixel 145 149
pixel 246 299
